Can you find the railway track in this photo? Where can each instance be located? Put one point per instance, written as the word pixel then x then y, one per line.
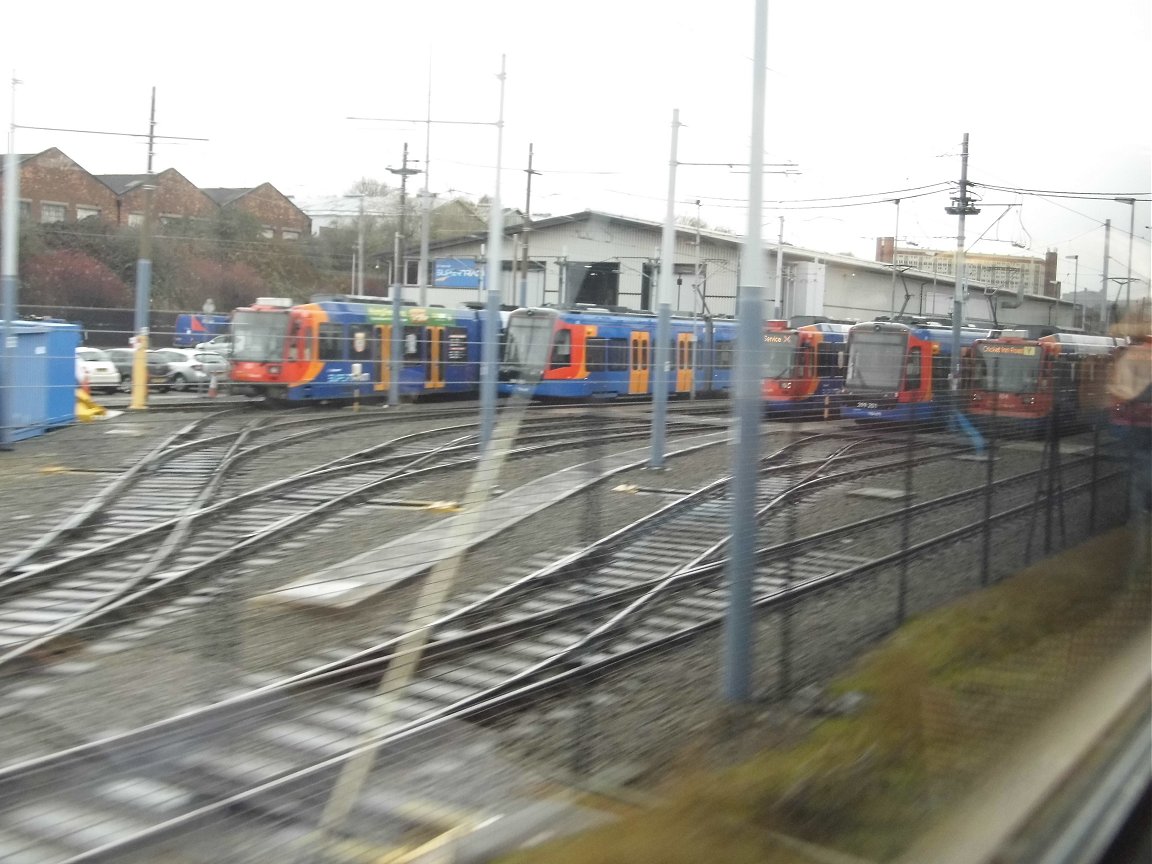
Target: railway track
pixel 269 753
pixel 124 568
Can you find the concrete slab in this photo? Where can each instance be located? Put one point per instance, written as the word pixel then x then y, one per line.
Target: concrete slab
pixel 348 583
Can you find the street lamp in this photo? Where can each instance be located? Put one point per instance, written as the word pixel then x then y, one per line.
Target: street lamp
pixel 1131 202
pixel 1075 289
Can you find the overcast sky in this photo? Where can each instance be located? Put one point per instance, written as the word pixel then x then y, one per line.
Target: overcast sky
pixel 865 99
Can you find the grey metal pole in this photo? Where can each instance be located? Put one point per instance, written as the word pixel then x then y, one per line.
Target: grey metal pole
pixel 395 362
pixel 527 229
pixel 10 279
pixel 1075 287
pixel 360 251
pixel 664 311
pixel 426 202
pixel 489 350
pixel 779 272
pixel 746 405
pixel 397 332
pixel 895 240
pixel 1131 202
pixel 1104 275
pixel 696 280
pixel 961 208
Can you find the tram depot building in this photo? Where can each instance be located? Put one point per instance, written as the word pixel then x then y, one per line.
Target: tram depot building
pixel 603 259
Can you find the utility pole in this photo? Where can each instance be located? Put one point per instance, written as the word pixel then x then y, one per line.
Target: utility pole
pixel 1075 288
pixel 360 247
pixel 664 311
pixel 10 279
pixel 527 227
pixel 425 201
pixel 1104 275
pixel 895 240
pixel 780 271
pixel 747 407
pixel 961 206
pixel 1131 202
pixel 144 279
pixel 489 351
pixel 396 341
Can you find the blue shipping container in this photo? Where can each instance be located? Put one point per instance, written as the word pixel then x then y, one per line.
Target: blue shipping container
pixel 44 391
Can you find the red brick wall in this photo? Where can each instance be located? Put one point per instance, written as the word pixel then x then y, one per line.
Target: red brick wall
pixel 272 209
pixel 175 196
pixel 54 178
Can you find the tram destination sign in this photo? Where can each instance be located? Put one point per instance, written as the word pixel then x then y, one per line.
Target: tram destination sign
pixel 1019 350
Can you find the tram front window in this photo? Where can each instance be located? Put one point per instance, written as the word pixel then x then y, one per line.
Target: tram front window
pixel 258 337
pixel 780 355
pixel 875 361
pixel 1007 368
pixel 527 344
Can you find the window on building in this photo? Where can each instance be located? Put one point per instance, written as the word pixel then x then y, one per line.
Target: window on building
pixel 290 235
pixel 135 220
pixel 52 213
pixel 83 212
pixel 25 209
pixel 267 232
pixel 411 272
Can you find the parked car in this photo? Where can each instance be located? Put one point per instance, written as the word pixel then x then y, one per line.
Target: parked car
pixel 221 344
pixel 97 368
pixel 188 367
pixel 123 359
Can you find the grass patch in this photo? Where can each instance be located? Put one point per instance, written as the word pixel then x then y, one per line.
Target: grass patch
pixel 944 698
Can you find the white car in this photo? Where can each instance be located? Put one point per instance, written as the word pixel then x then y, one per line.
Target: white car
pixel 188 367
pixel 221 344
pixel 97 368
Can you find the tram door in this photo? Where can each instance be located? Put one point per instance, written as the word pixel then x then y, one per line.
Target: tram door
pixel 684 362
pixel 434 337
pixel 384 352
pixel 639 352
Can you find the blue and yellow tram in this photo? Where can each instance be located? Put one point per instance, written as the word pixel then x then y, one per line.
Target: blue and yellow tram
pixel 339 347
pixel 900 373
pixel 584 352
pixel 803 368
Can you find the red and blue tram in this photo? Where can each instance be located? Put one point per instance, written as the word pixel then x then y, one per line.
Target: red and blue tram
pixel 803 368
pixel 339 347
pixel 1021 385
pixel 584 352
pixel 900 373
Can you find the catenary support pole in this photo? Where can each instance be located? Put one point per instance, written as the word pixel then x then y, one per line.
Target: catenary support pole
pixel 962 206
pixel 398 278
pixel 892 263
pixel 746 405
pixel 9 281
pixel 425 200
pixel 1104 275
pixel 662 354
pixel 494 278
pixel 778 310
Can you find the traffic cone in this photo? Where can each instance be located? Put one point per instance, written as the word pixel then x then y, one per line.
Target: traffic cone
pixel 212 387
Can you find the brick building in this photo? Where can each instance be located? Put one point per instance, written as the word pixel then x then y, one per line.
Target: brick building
pixel 278 215
pixel 54 188
pixel 175 198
